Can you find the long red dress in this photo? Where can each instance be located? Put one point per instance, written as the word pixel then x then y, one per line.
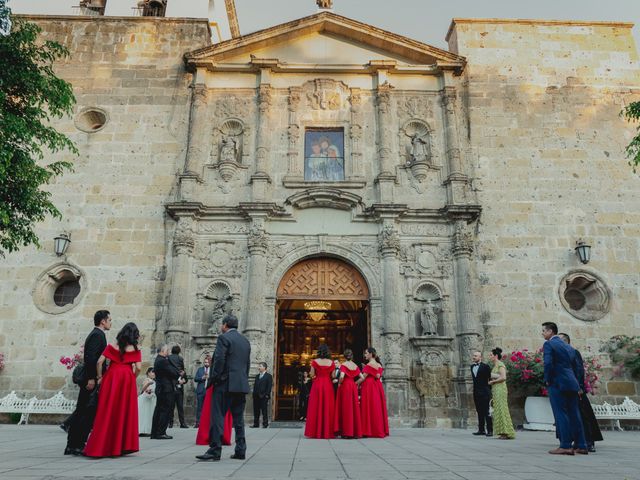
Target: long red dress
pixel 202 438
pixel 115 430
pixel 321 406
pixel 348 422
pixel 373 404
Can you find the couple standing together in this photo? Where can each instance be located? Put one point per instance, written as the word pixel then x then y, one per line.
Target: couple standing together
pixel 229 379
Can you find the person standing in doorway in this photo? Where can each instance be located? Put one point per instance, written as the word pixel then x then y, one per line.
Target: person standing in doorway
pixel 262 386
pixel 481 374
pixel 84 414
pixel 176 360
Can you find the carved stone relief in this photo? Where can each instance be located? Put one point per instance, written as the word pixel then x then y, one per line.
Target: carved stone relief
pixel 217 302
pixel 326 94
pixel 223 258
pixel 415 107
pixel 233 106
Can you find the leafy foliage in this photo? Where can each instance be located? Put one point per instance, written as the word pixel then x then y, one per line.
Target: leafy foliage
pixel 632 113
pixel 31 96
pixel 624 351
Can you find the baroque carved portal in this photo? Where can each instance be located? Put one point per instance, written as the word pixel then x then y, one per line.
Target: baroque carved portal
pixel 328 278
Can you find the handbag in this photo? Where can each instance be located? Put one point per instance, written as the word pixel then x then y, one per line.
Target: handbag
pixel 79 374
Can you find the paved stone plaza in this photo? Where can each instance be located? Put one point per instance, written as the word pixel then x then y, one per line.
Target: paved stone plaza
pixel 36 452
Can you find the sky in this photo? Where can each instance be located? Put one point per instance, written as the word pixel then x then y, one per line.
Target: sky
pixel 428 20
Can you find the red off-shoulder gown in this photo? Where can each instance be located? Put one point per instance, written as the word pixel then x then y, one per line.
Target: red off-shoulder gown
pixel 115 430
pixel 202 438
pixel 321 407
pixel 373 405
pixel 348 422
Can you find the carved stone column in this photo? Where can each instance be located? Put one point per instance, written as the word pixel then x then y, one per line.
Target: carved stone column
pixel 469 327
pixel 387 176
pixel 457 181
pixel 356 167
pixel 197 153
pixel 261 177
pixel 294 168
pixel 389 245
pixel 254 327
pixel 178 314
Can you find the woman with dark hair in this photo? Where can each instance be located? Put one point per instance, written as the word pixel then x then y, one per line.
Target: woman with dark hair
pixel 373 404
pixel 348 423
pixel 321 406
pixel 115 430
pixel 502 425
pixel 147 403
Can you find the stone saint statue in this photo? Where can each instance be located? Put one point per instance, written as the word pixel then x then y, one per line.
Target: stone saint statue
pixel 429 319
pixel 419 149
pixel 228 150
pixel 327 4
pixel 219 311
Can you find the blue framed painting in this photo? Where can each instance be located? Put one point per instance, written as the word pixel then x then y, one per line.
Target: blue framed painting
pixel 324 155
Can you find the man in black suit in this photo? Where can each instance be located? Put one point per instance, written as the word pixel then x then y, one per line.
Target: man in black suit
pixel 481 374
pixel 166 378
pixel 262 386
pixel 176 360
pixel 85 411
pixel 230 379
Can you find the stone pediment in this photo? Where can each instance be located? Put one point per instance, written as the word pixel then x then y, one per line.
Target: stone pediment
pixel 323 39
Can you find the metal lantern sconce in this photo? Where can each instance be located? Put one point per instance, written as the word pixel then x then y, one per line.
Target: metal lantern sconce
pixel 583 250
pixel 61 243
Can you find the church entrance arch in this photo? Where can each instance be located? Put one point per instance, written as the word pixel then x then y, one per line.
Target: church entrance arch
pixel 319 300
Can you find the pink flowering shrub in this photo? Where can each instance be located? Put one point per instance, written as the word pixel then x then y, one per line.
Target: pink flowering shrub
pixel 71 362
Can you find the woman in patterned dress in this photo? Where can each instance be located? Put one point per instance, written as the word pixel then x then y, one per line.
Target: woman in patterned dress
pixel 502 424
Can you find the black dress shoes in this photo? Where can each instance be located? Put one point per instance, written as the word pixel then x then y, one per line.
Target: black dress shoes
pixel 237 456
pixel 489 434
pixel 254 426
pixel 209 455
pixel 184 426
pixel 478 433
pixel 161 437
pixel 265 426
pixel 73 451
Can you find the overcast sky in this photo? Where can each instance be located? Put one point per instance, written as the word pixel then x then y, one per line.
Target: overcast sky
pixel 428 20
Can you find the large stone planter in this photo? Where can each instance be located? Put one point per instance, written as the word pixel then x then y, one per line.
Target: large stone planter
pixel 539 415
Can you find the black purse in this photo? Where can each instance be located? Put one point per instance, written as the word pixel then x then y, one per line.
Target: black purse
pixel 79 374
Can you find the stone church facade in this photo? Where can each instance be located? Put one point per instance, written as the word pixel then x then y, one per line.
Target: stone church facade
pixel 327 181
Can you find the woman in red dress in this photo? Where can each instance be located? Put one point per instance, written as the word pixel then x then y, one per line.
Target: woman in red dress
pixel 115 430
pixel 321 406
pixel 202 438
pixel 347 419
pixel 373 404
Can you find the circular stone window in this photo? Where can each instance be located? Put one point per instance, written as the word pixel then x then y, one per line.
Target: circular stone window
pixel 585 295
pixel 91 120
pixel 59 289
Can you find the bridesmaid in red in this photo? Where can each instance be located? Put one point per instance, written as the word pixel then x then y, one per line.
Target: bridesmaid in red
pixel 202 438
pixel 115 430
pixel 373 404
pixel 321 406
pixel 347 420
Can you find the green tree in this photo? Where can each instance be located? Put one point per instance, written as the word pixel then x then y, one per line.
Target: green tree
pixel 632 113
pixel 31 97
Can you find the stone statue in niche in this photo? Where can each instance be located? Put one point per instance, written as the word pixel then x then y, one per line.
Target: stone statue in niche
pixel 228 150
pixel 220 309
pixel 419 149
pixel 429 319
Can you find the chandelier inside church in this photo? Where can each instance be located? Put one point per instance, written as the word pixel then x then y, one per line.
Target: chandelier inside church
pixel 317 309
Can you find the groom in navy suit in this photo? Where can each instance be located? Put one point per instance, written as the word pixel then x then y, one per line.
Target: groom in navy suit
pixel 561 377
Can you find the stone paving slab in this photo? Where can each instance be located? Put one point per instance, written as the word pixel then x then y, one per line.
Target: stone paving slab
pixel 35 452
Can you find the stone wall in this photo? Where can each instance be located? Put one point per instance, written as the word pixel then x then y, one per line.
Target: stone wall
pixel 113 202
pixel 543 107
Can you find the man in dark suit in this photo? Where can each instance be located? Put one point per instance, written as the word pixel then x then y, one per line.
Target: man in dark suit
pixel 481 374
pixel 561 378
pixel 176 360
pixel 85 411
pixel 262 386
pixel 166 378
pixel 201 379
pixel 230 379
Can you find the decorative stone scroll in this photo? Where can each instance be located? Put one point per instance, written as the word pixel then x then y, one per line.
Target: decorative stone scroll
pixel 326 94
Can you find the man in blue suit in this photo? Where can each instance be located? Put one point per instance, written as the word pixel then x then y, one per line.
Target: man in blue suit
pixel 201 377
pixel 560 376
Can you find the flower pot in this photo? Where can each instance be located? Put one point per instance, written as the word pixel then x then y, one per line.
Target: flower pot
pixel 539 414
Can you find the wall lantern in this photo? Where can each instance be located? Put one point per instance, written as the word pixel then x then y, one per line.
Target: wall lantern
pixel 61 243
pixel 583 250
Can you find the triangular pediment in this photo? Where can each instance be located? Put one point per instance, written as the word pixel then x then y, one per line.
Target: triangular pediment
pixel 324 39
